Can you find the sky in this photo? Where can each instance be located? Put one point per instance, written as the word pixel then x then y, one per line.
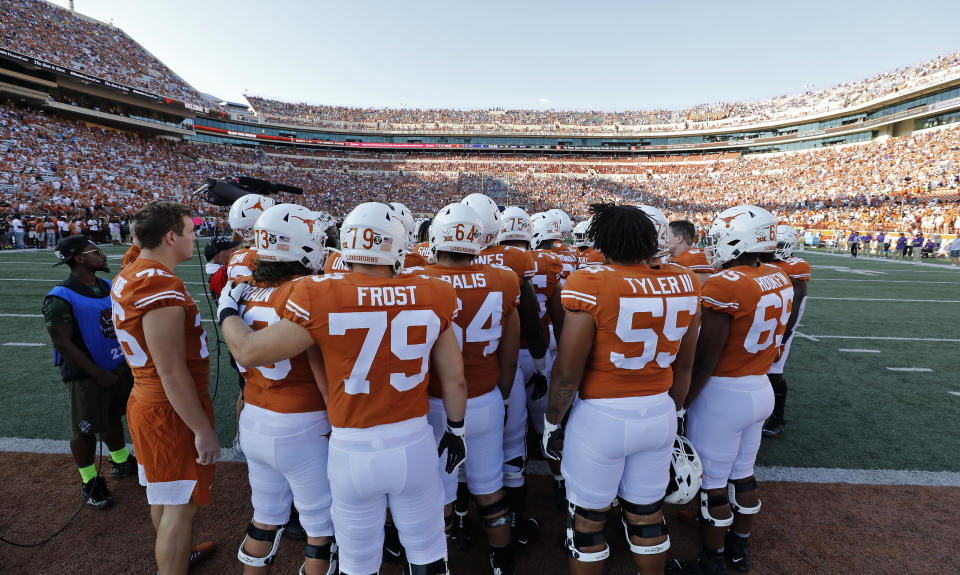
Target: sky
pixel 529 54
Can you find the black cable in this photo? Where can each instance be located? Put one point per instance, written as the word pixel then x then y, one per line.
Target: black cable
pixel 69 521
pixel 209 297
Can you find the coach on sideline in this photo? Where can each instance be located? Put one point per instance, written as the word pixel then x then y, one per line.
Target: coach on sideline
pixel 77 315
pixel 169 412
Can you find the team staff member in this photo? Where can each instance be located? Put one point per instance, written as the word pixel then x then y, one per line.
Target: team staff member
pixel 243 215
pixel 627 324
pixel 169 411
pixel 77 316
pixel 380 338
pixel 744 309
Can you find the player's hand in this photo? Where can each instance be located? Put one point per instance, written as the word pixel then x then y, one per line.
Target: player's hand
pixel 106 379
pixel 539 383
pixel 229 302
pixel 208 447
pixel 552 439
pixel 453 443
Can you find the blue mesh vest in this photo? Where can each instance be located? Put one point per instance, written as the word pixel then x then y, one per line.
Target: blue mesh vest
pixel 93 321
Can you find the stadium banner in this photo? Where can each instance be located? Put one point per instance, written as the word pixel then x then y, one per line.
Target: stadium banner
pixel 56 68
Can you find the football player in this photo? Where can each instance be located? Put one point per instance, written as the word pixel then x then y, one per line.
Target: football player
pixel 413 257
pixel 798 270
pixel 169 412
pixel 663 228
pixel 745 308
pixel 566 253
pixel 627 325
pixel 379 338
pixel 681 237
pixel 488 330
pixel 284 426
pixel 243 215
pixel 586 254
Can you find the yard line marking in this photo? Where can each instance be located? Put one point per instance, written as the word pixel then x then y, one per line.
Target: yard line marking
pixel 954 393
pixel 922 369
pixel 819 279
pixel 805 336
pixel 61 279
pixel 23 344
pixel 886 299
pixel 885 338
pixel 859 350
pixel 20 315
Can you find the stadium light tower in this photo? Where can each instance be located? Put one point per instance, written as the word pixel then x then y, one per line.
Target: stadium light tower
pixel 70 5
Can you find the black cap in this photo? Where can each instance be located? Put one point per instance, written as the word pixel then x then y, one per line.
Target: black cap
pixel 217 245
pixel 70 247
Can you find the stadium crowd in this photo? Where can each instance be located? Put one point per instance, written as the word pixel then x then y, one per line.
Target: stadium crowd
pixel 701 117
pixel 73 174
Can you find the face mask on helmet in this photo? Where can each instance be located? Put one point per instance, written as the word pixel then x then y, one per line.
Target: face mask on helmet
pixel 580 238
pixel 373 234
pixel 686 473
pixel 786 241
pixel 489 214
pixel 245 211
pixel 456 229
pixel 406 218
pixel 291 233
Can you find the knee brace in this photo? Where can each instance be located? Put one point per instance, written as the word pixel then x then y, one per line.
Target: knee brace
pixel 491 519
pixel 644 530
pixel 576 539
pixel 327 552
pixel 438 567
pixel 706 502
pixel 741 486
pixel 258 534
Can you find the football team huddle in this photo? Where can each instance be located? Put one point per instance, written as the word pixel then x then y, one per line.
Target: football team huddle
pixel 392 382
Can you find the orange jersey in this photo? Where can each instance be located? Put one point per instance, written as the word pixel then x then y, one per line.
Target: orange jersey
pixel 641 314
pixel 567 257
pixel 413 259
pixel 547 275
pixel 142 286
pixel 132 253
pixel 376 335
pixel 693 259
pixel 759 300
pixel 287 386
pixel 486 294
pixel 423 249
pixel 517 259
pixel 587 257
pixel 335 264
pixel 242 263
pixel 795 268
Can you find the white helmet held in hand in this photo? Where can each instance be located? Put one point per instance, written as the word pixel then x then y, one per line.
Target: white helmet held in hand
pixel 515 225
pixel 373 234
pixel 566 224
pixel 662 225
pixel 245 211
pixel 580 238
pixel 456 229
pixel 545 226
pixel 740 230
pixel 406 217
pixel 786 241
pixel 489 214
pixel 686 473
pixel 291 233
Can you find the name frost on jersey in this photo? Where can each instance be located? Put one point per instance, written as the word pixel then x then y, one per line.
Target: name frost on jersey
pixel 663 286
pixel 387 295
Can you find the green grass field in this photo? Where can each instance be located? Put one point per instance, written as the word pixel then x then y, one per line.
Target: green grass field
pixel 845 409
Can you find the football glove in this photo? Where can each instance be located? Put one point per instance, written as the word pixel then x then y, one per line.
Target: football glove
pixel 552 439
pixel 682 422
pixel 229 302
pixel 539 383
pixel 453 443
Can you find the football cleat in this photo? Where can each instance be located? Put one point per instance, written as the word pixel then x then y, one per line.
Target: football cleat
pixel 737 551
pixel 773 426
pixel 459 535
pixel 392 548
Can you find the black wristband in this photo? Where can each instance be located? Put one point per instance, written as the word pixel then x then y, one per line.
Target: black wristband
pixel 455 424
pixel 227 312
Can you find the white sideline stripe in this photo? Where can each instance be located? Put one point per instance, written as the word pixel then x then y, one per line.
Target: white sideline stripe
pixel 957 393
pixel 816 279
pixel 23 344
pixel 873 259
pixel 886 299
pixel 777 473
pixel 922 369
pixel 859 350
pixel 805 336
pixel 828 475
pixel 883 338
pixel 60 279
pixel 32 315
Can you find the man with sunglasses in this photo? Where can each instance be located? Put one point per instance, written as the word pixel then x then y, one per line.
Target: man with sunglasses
pixel 98 380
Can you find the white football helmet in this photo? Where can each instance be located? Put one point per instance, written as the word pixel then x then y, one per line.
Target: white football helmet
pixel 373 234
pixel 515 225
pixel 545 226
pixel 489 214
pixel 406 217
pixel 739 230
pixel 245 211
pixel 663 226
pixel 686 473
pixel 291 233
pixel 457 229
pixel 786 240
pixel 566 224
pixel 580 238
